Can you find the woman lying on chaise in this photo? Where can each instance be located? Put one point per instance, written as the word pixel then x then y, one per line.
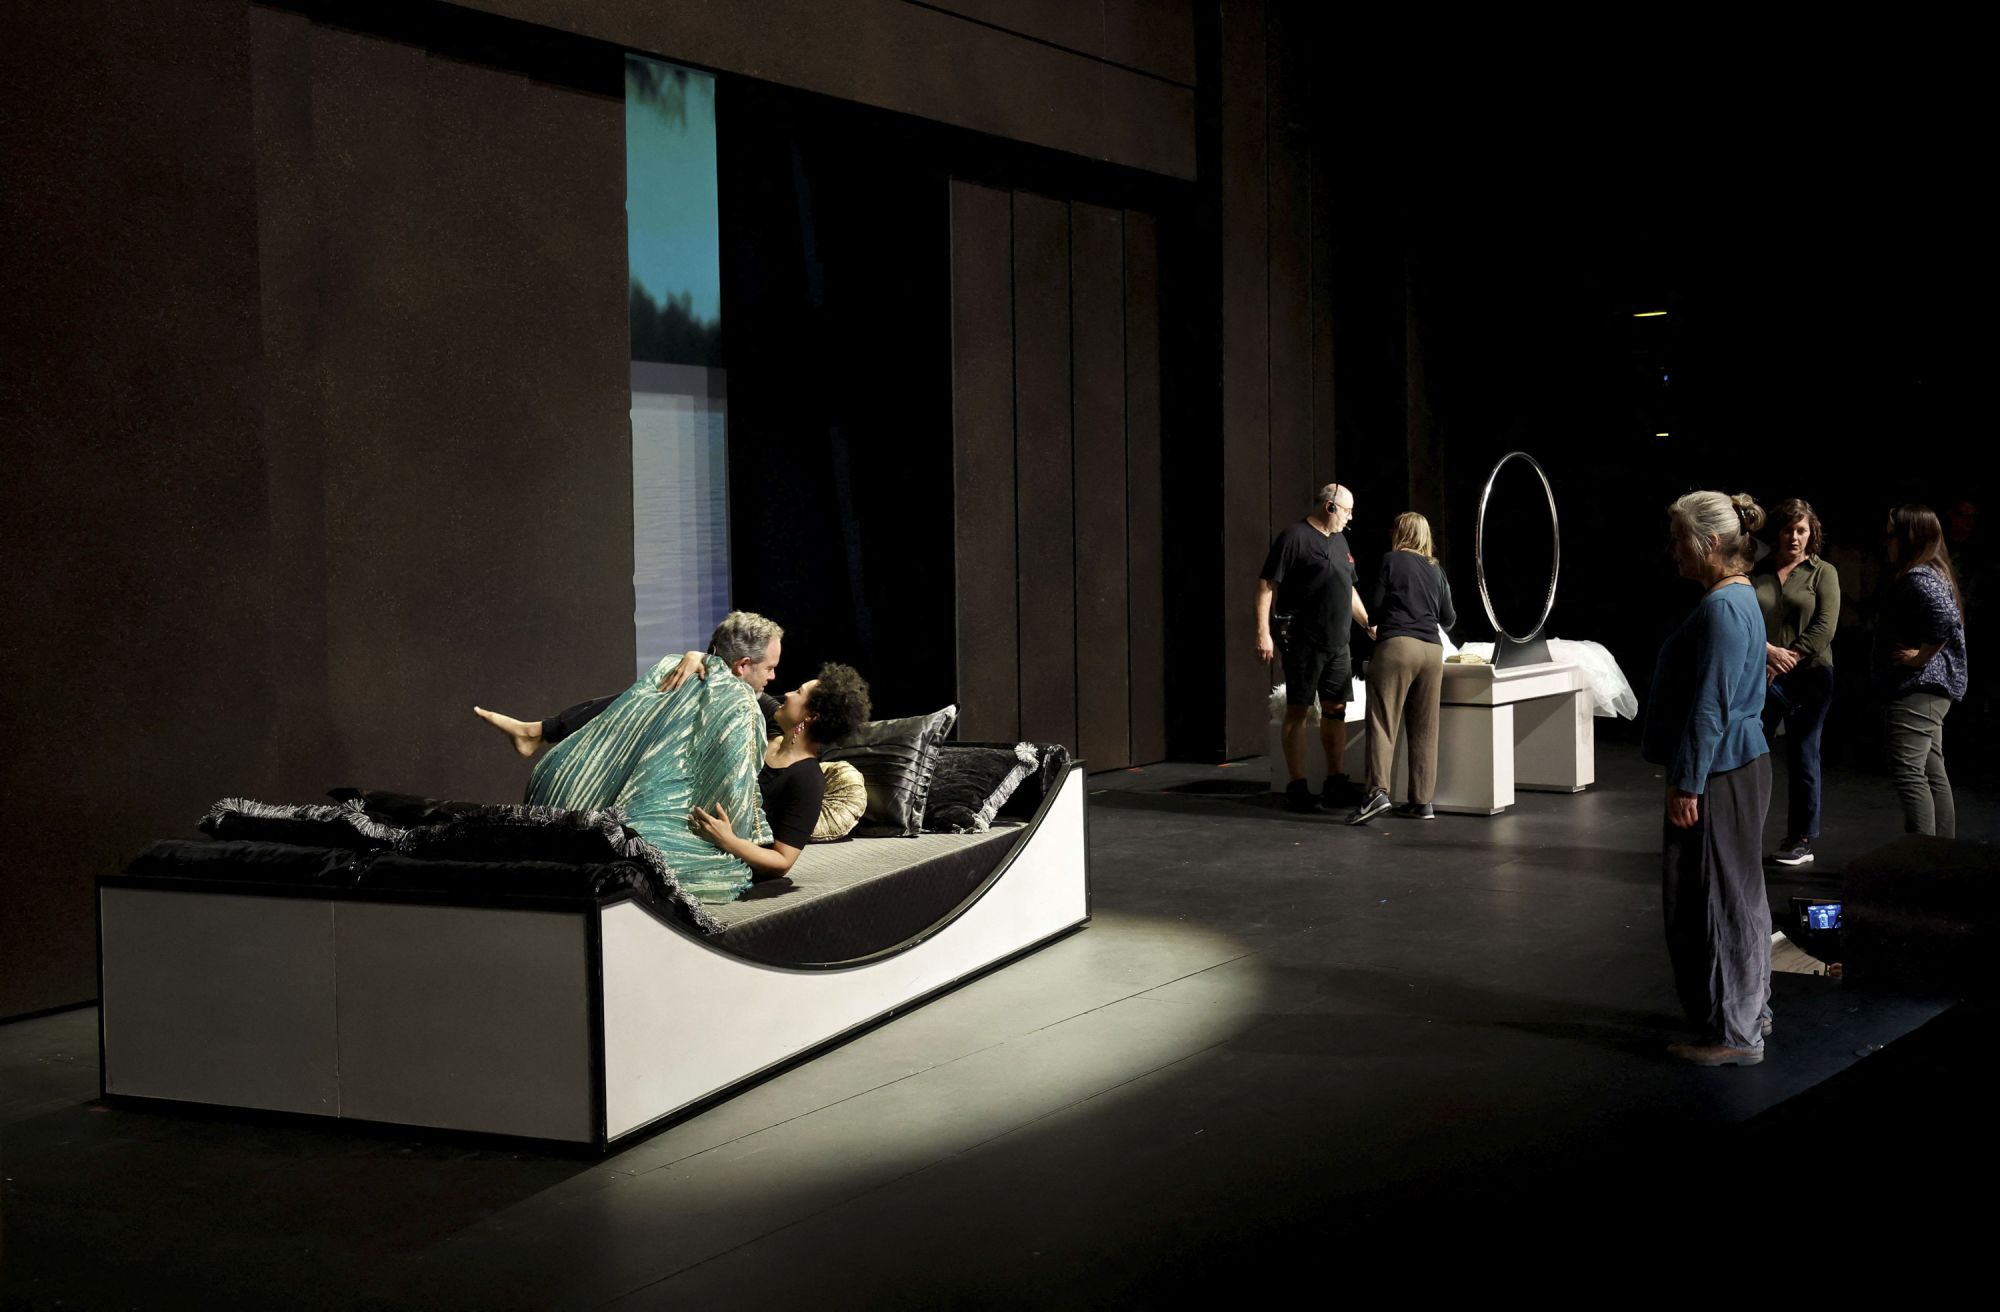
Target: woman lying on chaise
pixel 663 743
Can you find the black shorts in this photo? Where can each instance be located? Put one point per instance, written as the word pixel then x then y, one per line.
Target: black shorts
pixel 1311 670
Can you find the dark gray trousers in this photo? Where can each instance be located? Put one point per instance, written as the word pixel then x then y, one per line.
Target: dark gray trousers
pixel 1915 736
pixel 1718 915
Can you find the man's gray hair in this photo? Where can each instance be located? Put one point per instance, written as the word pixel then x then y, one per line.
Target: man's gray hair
pixel 742 634
pixel 1331 492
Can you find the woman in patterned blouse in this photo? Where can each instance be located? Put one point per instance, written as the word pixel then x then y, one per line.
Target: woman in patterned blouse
pixel 1919 666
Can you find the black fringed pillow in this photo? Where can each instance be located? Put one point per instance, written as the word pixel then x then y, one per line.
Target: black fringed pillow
pixel 1054 759
pixel 513 833
pixel 403 810
pixel 521 833
pixel 971 784
pixel 896 759
pixel 238 819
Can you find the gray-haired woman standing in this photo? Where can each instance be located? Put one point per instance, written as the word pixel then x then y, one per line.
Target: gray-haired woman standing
pixel 1703 723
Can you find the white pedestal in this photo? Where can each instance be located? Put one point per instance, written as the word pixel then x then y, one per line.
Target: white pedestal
pixel 1528 727
pixel 1274 747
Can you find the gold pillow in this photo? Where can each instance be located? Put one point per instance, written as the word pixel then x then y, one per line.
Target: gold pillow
pixel 846 798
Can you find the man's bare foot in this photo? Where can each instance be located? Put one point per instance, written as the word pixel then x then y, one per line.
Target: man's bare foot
pixel 527 734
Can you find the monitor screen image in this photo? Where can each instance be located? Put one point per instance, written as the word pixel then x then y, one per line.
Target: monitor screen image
pixel 680 482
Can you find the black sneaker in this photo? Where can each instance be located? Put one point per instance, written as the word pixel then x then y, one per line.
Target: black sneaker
pixel 1795 852
pixel 1376 804
pixel 1416 811
pixel 1339 791
pixel 1298 797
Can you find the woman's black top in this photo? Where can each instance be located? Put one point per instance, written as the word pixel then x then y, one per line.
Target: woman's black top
pixel 791 800
pixel 1412 599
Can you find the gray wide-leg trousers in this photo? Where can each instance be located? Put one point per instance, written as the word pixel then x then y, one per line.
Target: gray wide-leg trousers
pixel 1718 914
pixel 1915 724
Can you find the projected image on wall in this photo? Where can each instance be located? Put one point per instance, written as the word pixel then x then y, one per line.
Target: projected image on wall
pixel 680 488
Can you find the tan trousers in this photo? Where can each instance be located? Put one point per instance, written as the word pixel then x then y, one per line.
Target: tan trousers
pixel 1405 681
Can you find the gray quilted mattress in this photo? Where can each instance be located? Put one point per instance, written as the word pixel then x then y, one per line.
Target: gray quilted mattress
pixel 848 900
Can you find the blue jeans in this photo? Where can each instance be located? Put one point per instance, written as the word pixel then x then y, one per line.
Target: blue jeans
pixel 1799 701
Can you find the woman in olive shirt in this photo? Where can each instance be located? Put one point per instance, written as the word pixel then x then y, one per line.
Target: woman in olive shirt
pixel 1800 597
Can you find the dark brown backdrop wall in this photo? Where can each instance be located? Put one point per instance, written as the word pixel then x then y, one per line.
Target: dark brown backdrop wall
pixel 323 434
pixel 1277 207
pixel 320 431
pixel 1056 434
pixel 1109 80
pixel 136 634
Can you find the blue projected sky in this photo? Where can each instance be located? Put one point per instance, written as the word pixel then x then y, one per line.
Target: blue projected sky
pixel 674 233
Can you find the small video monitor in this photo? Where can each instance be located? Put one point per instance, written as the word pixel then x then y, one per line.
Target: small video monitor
pixel 1822 915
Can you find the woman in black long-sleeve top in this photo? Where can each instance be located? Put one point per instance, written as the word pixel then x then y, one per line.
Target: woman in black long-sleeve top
pixel 1412 602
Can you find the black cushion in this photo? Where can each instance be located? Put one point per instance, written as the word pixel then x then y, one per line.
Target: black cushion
pixel 896 759
pixel 972 783
pixel 248 860
pixel 545 878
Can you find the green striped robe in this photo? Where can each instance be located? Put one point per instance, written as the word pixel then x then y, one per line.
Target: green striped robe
pixel 657 755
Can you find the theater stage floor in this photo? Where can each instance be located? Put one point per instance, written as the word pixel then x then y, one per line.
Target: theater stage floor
pixel 1285 1050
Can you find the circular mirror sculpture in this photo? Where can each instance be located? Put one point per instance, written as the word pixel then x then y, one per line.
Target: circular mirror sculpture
pixel 1528 647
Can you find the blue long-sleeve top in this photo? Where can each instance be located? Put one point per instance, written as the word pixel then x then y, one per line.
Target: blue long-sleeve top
pixel 1704 715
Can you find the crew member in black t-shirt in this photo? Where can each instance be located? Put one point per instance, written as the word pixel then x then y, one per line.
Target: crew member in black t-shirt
pixel 1306 593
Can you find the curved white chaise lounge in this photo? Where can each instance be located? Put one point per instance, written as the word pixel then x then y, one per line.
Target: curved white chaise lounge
pixel 549 1018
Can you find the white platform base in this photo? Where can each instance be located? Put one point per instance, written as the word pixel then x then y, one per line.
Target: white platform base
pixel 654 985
pixel 1527 728
pixel 578 1023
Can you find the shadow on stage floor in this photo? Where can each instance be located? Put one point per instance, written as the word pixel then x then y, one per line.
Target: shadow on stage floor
pixel 1287 1050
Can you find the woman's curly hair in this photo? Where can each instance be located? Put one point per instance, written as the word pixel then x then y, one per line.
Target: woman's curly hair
pixel 839 704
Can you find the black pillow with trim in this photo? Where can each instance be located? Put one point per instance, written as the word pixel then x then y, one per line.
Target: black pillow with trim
pixel 971 784
pixel 1028 797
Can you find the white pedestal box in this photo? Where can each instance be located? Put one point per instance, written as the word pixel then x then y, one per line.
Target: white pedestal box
pixel 1274 745
pixel 1528 727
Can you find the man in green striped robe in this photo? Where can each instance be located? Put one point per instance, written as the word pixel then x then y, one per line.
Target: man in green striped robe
pixel 656 755
pixel 665 745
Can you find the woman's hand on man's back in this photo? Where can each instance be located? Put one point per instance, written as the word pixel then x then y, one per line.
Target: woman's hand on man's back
pixel 693 663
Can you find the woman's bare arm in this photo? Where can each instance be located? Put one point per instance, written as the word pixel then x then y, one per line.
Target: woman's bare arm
pixel 777 859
